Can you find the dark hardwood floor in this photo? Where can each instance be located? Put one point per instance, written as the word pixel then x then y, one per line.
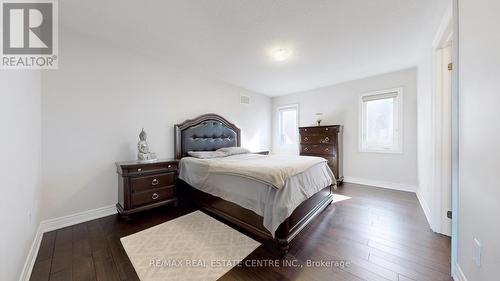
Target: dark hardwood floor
pixel 383 234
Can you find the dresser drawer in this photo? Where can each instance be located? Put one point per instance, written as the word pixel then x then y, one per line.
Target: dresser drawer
pixel 152 182
pixel 317 139
pixel 152 196
pixel 317 149
pixel 318 131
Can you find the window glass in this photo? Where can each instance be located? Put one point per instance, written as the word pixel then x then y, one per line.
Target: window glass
pixel 381 121
pixel 288 124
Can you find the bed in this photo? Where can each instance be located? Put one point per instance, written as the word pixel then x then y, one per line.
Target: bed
pixel 264 212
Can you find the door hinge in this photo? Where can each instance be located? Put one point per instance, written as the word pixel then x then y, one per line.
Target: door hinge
pixel 449 214
pixel 450 66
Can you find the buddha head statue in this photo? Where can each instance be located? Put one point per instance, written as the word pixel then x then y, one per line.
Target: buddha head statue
pixel 143 145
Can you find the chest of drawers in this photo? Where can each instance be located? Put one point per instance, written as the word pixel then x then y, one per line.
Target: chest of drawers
pixel 326 142
pixel 142 186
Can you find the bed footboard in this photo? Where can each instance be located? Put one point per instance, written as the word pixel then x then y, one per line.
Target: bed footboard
pixel 252 224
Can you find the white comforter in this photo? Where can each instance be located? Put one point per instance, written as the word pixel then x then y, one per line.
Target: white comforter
pixel 274 205
pixel 272 170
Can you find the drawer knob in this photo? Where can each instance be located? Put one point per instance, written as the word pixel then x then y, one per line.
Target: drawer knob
pixel 138 170
pixel 326 129
pixel 155 182
pixel 306 148
pixel 155 196
pixel 326 139
pixel 306 139
pixel 327 149
pixel 169 166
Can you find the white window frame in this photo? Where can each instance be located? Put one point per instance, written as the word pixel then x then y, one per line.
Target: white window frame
pixel 280 125
pixel 397 93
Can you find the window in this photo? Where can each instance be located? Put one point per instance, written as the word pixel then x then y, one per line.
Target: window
pixel 288 124
pixel 381 121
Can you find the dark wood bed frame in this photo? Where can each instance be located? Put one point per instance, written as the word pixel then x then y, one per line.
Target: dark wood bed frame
pixel 240 217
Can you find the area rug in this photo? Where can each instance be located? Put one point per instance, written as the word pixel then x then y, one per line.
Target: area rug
pixel 192 247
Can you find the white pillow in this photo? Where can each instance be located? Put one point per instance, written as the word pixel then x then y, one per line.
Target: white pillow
pixel 207 154
pixel 233 150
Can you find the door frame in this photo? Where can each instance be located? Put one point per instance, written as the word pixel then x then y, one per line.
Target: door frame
pixel 455 133
pixel 442 167
pixel 449 29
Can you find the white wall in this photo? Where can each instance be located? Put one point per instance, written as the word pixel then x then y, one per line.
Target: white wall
pixel 339 104
pixel 426 162
pixel 479 86
pixel 20 172
pixel 95 105
pixel 428 192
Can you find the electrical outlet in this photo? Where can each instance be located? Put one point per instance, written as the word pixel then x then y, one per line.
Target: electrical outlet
pixel 476 252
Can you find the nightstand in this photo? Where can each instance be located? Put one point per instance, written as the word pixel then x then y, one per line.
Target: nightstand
pixel 145 185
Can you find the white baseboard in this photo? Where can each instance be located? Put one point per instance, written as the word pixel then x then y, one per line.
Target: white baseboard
pixel 57 223
pixel 459 274
pixel 427 210
pixel 382 184
pixel 30 259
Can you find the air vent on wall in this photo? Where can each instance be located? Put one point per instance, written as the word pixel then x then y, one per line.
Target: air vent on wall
pixel 244 99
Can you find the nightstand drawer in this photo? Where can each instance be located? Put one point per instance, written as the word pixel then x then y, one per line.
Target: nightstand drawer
pixel 160 167
pixel 152 196
pixel 152 182
pixel 145 185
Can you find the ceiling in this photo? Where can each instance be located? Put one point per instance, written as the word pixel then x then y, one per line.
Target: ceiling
pixel 331 41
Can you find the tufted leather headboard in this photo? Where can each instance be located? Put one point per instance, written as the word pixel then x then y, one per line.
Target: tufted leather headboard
pixel 206 132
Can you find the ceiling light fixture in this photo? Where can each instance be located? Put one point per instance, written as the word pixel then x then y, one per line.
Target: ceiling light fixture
pixel 281 54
